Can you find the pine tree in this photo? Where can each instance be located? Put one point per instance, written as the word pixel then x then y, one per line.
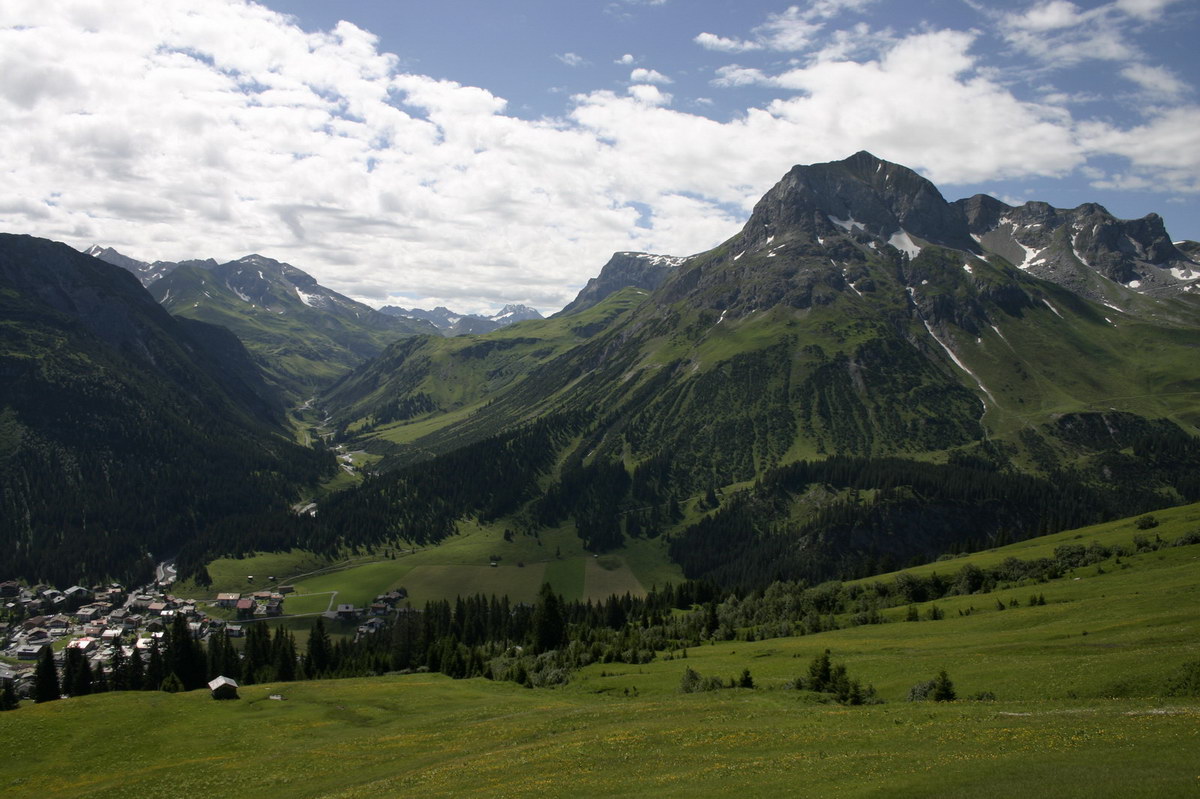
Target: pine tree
pixel 319 650
pixel 8 696
pixel 45 678
pixel 943 689
pixel 549 629
pixel 77 674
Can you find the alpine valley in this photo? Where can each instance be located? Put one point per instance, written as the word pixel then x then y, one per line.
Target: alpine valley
pixel 719 452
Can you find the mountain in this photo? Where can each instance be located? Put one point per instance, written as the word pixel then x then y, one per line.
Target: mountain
pixel 145 271
pixel 641 270
pixel 1085 249
pixel 859 322
pixel 450 323
pixel 124 431
pixel 302 334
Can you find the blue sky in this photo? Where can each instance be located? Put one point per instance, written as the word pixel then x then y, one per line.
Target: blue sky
pixel 472 153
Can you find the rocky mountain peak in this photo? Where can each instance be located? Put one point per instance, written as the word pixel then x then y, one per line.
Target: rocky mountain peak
pixel 864 192
pixel 641 270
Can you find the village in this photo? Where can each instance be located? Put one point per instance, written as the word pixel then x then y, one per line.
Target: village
pixel 99 620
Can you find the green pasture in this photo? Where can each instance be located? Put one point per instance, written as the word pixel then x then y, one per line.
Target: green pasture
pixel 459 565
pixel 1079 710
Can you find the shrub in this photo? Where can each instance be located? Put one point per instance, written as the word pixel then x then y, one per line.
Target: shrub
pixel 920 692
pixel 1146 522
pixel 943 689
pixel 1185 681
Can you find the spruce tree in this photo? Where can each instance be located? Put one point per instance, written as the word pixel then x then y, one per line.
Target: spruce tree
pixel 8 696
pixel 943 689
pixel 319 655
pixel 549 629
pixel 45 678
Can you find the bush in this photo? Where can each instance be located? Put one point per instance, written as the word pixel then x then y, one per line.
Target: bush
pixel 1146 522
pixel 920 692
pixel 1185 681
pixel 943 689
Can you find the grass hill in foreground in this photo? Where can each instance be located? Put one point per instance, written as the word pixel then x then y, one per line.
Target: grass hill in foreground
pixel 1082 707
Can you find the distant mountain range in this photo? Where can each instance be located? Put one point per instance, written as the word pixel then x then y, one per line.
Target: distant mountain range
pixel 302 334
pixel 865 373
pixel 450 323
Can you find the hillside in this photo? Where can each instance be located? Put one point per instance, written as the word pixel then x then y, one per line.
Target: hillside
pixel 1076 701
pixel 301 334
pixel 856 316
pixel 123 430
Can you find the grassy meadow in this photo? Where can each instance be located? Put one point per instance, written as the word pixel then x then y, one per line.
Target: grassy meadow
pixel 1080 710
pixel 459 565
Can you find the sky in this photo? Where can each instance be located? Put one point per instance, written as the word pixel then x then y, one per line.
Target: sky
pixel 470 153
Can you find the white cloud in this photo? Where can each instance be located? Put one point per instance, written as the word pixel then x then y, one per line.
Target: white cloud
pixel 571 59
pixel 711 41
pixel 1158 81
pixel 217 128
pixel 733 75
pixel 1049 16
pixel 626 59
pixel 642 75
pixel 794 29
pixel 649 94
pixel 1060 33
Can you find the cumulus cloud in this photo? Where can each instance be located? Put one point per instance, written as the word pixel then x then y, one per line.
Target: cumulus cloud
pixel 642 75
pixel 626 59
pixel 711 41
pixel 571 59
pixel 217 128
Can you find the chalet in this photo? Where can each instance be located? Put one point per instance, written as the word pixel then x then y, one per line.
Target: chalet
pixel 245 607
pixel 38 636
pixel 85 644
pixel 195 629
pixel 379 609
pixel 112 635
pixel 223 688
pixel 78 593
pixel 235 631
pixel 34 622
pixel 29 651
pixel 10 588
pixel 118 616
pixel 274 607
pixel 346 612
pixel 157 608
pixel 58 624
pixel 371 626
pixel 144 643
pixel 87 613
pixel 286 589
pixel 94 629
pixel 228 600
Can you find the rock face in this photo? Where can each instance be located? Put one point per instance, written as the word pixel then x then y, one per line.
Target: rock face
pixel 641 270
pixel 833 210
pixel 1085 249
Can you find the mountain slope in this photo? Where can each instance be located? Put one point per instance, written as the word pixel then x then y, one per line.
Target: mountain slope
pixel 854 315
pixel 303 335
pixel 123 431
pixel 641 270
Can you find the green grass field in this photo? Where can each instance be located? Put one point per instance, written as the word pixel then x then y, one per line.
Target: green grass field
pixel 1080 711
pixel 457 566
